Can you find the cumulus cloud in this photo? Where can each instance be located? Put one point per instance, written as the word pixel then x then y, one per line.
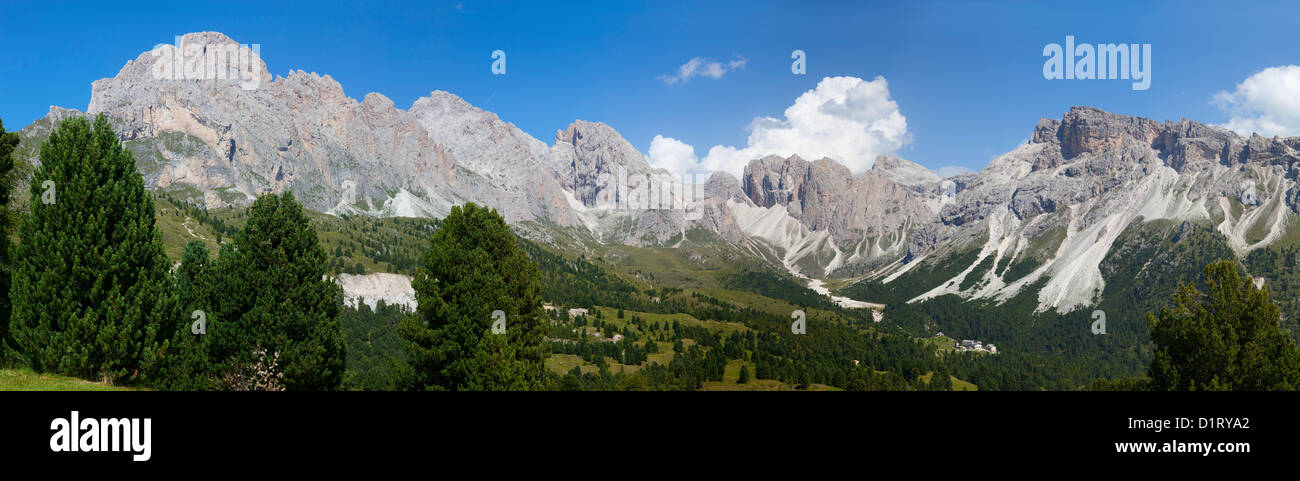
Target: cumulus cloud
pixel 844 118
pixel 672 154
pixel 1267 103
pixel 703 67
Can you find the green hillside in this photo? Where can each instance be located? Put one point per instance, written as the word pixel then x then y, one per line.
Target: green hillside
pixel 26 380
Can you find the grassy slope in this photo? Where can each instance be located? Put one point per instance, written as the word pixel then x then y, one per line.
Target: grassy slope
pixel 390 244
pixel 26 380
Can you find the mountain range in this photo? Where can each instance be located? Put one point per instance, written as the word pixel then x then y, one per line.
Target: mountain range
pixel 1039 220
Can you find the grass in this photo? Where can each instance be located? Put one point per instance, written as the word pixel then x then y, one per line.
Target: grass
pixel 731 374
pixel 610 316
pixel 563 363
pixel 173 223
pixel 1292 235
pixel 359 238
pixel 957 384
pixel 940 345
pixel 26 380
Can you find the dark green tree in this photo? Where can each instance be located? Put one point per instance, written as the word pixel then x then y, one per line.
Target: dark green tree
pixel 180 361
pixel 571 381
pixel 268 293
pixel 473 267
pixel 941 381
pixel 744 374
pixel 8 141
pixel 90 280
pixel 1227 338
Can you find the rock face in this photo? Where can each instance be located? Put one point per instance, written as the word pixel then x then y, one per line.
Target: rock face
pixel 1065 197
pixel 906 173
pixel 224 144
pixel 615 192
pixel 867 216
pixel 215 141
pixel 298 133
pixel 586 151
pixel 502 162
pixel 369 289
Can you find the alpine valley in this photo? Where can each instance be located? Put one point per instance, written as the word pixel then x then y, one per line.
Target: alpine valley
pixel 893 266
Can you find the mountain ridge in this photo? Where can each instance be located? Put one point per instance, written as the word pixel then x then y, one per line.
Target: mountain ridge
pixel 1058 202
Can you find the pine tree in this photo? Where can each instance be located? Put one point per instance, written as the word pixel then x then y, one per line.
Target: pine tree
pixel 90 276
pixel 473 267
pixel 941 380
pixel 744 374
pixel 180 361
pixel 1225 339
pixel 268 296
pixel 8 141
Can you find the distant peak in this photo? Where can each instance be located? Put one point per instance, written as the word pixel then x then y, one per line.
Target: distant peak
pixel 207 37
pixel 579 129
pixel 376 99
pixel 904 171
pixel 444 96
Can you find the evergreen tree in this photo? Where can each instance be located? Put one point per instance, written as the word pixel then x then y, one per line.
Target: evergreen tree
pixel 744 374
pixel 571 381
pixel 90 276
pixel 473 267
pixel 1225 339
pixel 268 296
pixel 941 381
pixel 180 361
pixel 8 141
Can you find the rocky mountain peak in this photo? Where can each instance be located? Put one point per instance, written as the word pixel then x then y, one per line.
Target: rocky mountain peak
pixel 826 196
pixel 224 63
pixel 597 141
pixel 376 101
pixel 1086 129
pixel 584 151
pixel 1047 131
pixel 1182 145
pixel 774 180
pixel 725 186
pixel 904 171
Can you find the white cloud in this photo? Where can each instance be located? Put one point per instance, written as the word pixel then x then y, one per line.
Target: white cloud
pixel 672 154
pixel 1267 103
pixel 844 118
pixel 703 67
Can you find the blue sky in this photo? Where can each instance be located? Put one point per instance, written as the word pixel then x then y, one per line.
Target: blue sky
pixel 967 76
